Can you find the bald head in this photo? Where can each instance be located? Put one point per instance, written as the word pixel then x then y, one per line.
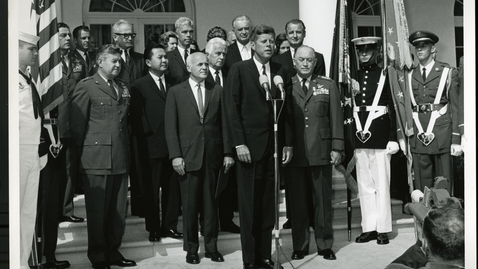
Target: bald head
pixel 304 61
pixel 197 65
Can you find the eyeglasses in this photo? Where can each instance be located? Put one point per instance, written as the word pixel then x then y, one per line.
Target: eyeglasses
pixel 132 35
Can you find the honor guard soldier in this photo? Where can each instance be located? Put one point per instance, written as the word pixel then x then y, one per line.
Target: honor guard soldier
pixel 434 92
pixel 375 142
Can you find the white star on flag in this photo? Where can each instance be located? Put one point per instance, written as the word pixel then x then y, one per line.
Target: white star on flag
pixel 390 31
pixel 400 94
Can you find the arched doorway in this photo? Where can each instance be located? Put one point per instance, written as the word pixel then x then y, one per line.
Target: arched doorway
pixel 149 17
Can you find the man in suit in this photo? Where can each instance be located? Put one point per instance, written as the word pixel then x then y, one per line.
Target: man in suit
pixel 295 32
pixel 319 142
pixel 198 145
pixel 132 67
pixel 435 105
pixel 148 100
pixel 62 166
pixel 251 125
pixel 177 71
pixel 99 111
pixel 216 50
pixel 30 122
pixel 375 142
pixel 241 49
pixel 78 65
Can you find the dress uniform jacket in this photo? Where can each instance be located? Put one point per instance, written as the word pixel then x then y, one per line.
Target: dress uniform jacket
pixel 100 127
pixel 80 68
pixel 177 71
pixel 318 122
pixel 446 129
pixel 383 128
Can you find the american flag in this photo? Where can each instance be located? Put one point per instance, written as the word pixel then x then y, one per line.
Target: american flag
pixel 43 15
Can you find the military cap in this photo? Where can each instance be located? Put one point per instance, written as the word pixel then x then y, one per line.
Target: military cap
pixel 28 38
pixel 366 42
pixel 423 36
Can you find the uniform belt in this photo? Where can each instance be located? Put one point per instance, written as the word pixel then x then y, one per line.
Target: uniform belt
pixel 382 109
pixel 50 121
pixel 425 108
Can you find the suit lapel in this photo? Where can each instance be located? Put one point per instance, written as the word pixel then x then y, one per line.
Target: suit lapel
pixel 434 73
pixel 103 86
pixel 209 91
pixel 189 93
pixel 180 59
pixel 154 87
pixel 417 75
pixel 297 87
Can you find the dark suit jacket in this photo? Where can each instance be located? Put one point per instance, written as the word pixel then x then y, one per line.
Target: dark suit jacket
pixel 211 77
pixel 99 126
pixel 147 112
pixel 286 59
pixel 177 71
pixel 135 69
pixel 318 122
pixel 233 56
pixel 186 136
pixel 250 116
pixel 446 128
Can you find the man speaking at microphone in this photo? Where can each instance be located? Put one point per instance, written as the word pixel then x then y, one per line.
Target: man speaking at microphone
pixel 251 124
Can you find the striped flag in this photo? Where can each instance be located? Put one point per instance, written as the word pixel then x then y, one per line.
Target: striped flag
pixel 343 70
pixel 395 40
pixel 43 15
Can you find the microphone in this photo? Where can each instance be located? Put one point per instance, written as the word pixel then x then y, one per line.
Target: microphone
pixel 264 81
pixel 279 82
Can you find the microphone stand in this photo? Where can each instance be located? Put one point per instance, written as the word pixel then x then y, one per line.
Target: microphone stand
pixel 276 179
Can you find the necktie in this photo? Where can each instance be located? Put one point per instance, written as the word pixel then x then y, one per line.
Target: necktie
pixel 304 87
pixel 185 55
pixel 35 96
pixel 424 73
pixel 110 82
pixel 217 79
pixel 63 62
pixel 161 86
pixel 264 70
pixel 200 103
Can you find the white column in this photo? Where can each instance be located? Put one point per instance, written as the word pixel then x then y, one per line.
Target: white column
pixel 319 19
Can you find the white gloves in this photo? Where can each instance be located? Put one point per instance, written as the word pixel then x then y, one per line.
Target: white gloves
pixel 392 147
pixel 456 150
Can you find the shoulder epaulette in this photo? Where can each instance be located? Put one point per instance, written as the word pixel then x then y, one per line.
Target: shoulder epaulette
pixel 443 64
pixel 87 78
pixel 326 78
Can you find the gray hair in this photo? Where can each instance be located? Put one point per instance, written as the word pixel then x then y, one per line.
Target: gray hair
pixel 182 21
pixel 211 44
pixel 117 24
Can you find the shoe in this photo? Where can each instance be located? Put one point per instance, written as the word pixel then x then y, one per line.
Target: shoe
pixel 321 252
pixel 231 227
pixel 287 224
pixel 192 258
pixel 56 264
pixel 71 218
pixel 365 237
pixel 382 239
pixel 214 256
pixel 299 255
pixel 124 263
pixel 154 237
pixel 101 265
pixel 249 266
pixel 171 233
pixel 329 254
pixel 266 264
pixel 201 231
